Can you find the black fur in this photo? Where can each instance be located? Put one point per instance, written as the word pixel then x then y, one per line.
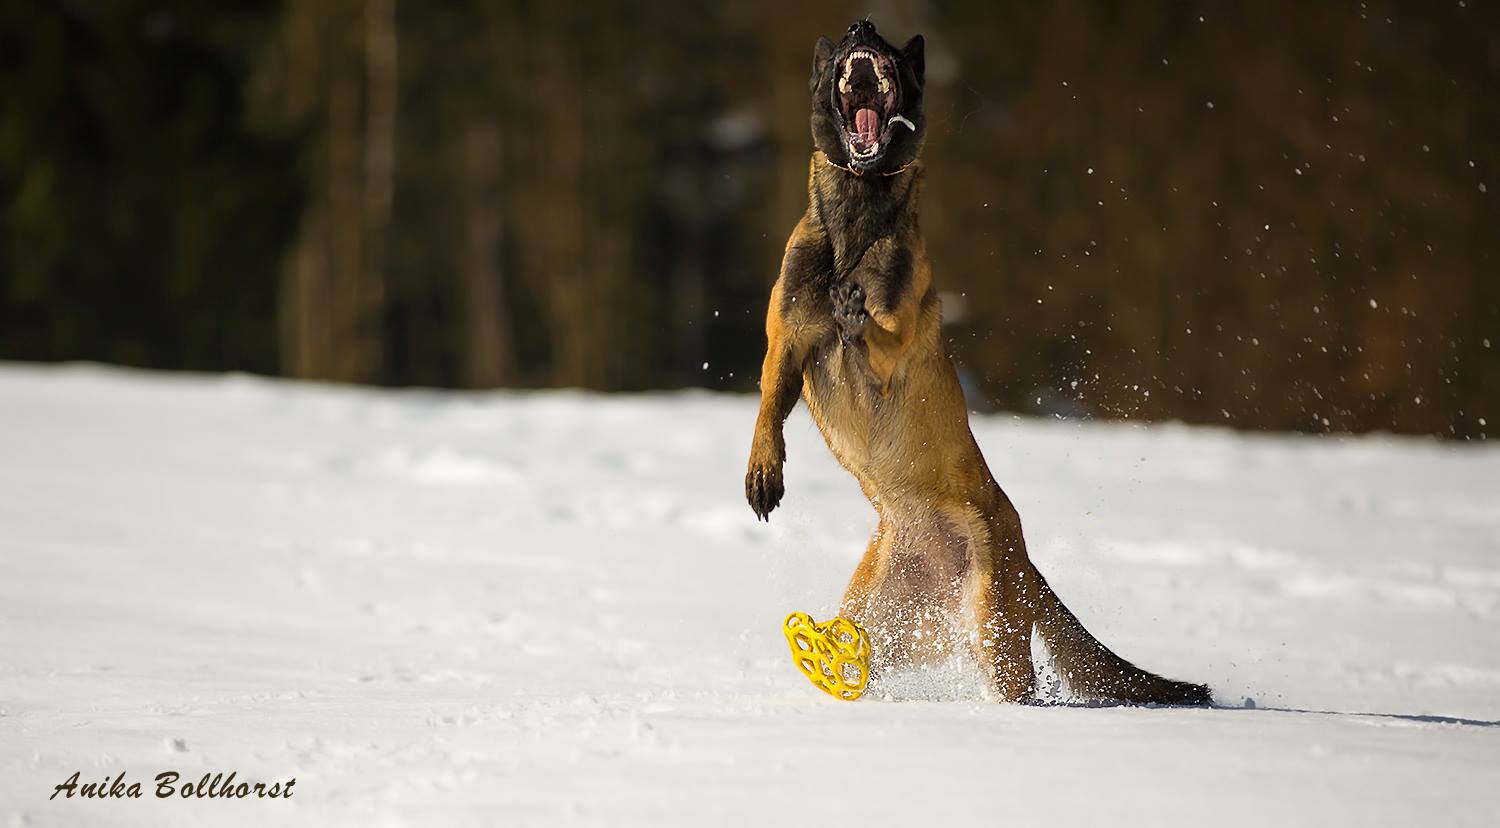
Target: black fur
pixel 849 219
pixel 827 125
pixel 807 271
pixel 851 210
pixel 848 300
pixel 853 207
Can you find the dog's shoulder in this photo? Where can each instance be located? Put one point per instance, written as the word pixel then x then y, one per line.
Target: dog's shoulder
pixel 807 270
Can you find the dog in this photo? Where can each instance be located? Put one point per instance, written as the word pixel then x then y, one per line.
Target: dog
pixel 854 329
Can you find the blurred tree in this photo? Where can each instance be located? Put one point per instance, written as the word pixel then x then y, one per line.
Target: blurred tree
pixel 1268 215
pixel 1275 215
pixel 331 76
pixel 139 216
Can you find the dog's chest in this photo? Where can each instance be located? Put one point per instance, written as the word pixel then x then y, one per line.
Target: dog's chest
pixel 846 405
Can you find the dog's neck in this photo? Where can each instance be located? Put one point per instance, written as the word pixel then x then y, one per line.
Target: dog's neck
pixel 854 211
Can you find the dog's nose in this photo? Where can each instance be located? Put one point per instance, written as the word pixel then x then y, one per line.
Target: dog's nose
pixel 862 27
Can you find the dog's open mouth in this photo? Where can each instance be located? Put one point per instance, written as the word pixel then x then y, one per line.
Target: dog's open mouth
pixel 867 101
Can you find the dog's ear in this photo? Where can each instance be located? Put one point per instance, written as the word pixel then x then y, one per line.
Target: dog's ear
pixel 914 53
pixel 822 54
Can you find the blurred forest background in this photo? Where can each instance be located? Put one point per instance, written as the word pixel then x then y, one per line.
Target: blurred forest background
pixel 1270 215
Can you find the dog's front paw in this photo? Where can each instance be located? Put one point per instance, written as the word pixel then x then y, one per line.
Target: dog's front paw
pixel 763 486
pixel 849 313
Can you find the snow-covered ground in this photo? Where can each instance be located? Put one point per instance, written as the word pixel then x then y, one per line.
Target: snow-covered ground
pixel 551 608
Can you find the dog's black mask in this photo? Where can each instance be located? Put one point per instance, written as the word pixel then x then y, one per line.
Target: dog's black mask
pixel 867 100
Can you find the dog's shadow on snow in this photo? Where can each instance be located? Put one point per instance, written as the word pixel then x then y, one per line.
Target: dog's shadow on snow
pixel 959 679
pixel 1415 718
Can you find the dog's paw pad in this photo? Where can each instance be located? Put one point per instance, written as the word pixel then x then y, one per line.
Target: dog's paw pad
pixel 848 301
pixel 835 655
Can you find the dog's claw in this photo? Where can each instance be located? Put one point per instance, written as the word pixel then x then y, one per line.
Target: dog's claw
pixel 763 490
pixel 848 300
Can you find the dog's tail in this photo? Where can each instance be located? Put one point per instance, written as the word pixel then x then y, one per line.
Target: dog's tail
pixel 1090 669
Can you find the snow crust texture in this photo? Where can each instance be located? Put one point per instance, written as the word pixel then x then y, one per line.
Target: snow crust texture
pixel 555 608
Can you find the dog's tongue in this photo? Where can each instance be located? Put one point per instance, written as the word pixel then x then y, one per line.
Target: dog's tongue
pixel 866 123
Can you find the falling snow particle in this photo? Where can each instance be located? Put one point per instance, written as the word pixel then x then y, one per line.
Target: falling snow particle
pixel 705 366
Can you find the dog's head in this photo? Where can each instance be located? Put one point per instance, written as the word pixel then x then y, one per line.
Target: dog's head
pixel 867 100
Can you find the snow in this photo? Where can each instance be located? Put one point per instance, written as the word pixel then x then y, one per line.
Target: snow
pixel 555 608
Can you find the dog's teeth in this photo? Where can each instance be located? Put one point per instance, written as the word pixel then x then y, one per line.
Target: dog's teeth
pixel 885 85
pixel 843 86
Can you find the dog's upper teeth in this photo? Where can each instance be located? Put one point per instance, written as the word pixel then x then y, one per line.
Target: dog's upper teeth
pixel 844 85
pixel 861 54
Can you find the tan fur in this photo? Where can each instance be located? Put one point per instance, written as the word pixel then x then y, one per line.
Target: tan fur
pixel 947 565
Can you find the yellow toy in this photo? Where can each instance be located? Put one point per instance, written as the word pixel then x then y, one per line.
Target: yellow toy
pixel 835 655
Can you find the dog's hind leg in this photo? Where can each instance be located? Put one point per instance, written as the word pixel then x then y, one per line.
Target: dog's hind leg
pixel 862 585
pixel 1004 640
pixel 1005 604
